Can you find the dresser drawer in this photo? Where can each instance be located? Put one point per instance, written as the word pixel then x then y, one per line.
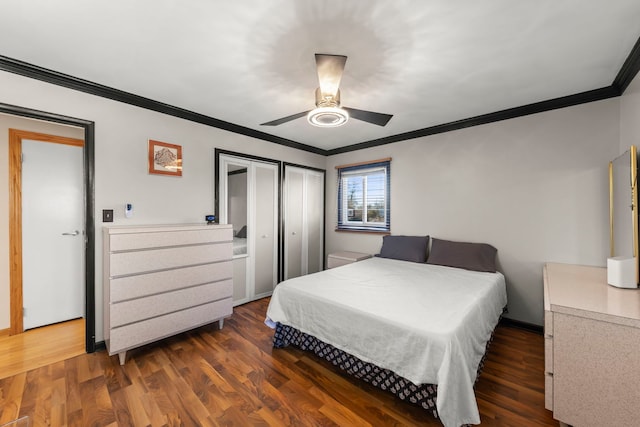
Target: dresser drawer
pixel 149 240
pixel 137 334
pixel 125 263
pixel 131 287
pixel 130 311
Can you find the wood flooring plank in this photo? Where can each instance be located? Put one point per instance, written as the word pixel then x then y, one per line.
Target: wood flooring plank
pixel 40 347
pixel 58 401
pixel 219 395
pixel 346 416
pixel 29 394
pixel 74 404
pixel 97 409
pixel 285 408
pixel 144 410
pixel 42 410
pixel 234 377
pixel 120 405
pixel 272 419
pixel 12 390
pixel 162 401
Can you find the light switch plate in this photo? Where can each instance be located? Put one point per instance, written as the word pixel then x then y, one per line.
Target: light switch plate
pixel 107 215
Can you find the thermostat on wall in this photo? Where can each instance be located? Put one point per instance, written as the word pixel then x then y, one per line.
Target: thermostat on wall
pixel 128 210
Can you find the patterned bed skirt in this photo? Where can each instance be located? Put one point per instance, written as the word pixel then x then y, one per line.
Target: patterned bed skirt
pixel 423 395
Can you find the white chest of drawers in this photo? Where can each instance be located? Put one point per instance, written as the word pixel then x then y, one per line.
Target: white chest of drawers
pixel 592 348
pixel 161 280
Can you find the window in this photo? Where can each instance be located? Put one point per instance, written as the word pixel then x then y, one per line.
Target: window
pixel 363 196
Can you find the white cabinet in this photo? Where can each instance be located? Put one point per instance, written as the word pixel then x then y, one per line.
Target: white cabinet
pixel 303 221
pixel 163 280
pixel 592 331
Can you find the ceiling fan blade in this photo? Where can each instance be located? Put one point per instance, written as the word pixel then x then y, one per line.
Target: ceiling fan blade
pixel 379 119
pixel 285 119
pixel 330 69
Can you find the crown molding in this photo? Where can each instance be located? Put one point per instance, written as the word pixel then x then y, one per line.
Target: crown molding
pixel 511 113
pixel 629 69
pixel 43 74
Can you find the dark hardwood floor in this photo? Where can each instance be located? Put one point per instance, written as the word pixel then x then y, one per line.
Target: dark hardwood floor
pixel 233 377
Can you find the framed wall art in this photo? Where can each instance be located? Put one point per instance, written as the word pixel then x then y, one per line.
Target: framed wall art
pixel 165 159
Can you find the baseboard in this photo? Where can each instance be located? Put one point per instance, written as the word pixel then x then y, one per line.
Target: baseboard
pixel 4 332
pixel 100 346
pixel 512 323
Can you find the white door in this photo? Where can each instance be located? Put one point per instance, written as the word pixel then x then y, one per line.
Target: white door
pixel 303 221
pixel 294 256
pixel 255 271
pixel 52 233
pixel 265 220
pixel 314 230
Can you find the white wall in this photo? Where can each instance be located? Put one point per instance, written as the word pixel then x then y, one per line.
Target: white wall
pixel 630 116
pixel 121 176
pixel 535 187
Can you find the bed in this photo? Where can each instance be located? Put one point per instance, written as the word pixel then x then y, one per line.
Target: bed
pixel 419 329
pixel 239 245
pixel 240 241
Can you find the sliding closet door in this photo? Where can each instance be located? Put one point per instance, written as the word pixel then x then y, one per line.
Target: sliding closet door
pixel 248 199
pixel 304 221
pixel 266 222
pixel 234 206
pixel 293 221
pixel 315 221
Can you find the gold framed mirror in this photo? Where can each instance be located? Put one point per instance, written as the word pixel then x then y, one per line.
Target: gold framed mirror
pixel 623 206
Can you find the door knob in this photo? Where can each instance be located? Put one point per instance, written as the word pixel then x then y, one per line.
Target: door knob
pixel 75 233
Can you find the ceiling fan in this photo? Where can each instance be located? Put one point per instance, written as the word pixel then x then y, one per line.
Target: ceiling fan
pixel 328 112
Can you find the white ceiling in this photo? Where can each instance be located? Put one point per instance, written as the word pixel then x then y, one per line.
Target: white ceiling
pixel 427 62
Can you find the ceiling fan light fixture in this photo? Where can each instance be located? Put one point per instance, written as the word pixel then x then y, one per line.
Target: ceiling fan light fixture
pixel 327 117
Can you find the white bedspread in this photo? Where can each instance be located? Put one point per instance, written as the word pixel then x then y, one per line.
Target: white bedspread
pixel 427 323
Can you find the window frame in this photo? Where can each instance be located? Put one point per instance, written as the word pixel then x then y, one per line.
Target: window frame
pixel 364 170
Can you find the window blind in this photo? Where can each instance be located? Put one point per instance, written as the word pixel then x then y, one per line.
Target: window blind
pixel 364 196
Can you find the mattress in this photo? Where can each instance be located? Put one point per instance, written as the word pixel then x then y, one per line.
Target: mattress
pixel 239 246
pixel 429 324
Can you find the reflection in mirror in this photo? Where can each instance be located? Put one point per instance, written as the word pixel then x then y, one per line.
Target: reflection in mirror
pixel 237 206
pixel 623 213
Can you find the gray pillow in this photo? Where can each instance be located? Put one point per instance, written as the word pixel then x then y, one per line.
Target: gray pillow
pixel 243 232
pixel 470 256
pixel 405 248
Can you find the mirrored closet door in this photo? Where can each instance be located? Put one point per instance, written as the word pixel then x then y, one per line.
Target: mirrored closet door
pixel 248 199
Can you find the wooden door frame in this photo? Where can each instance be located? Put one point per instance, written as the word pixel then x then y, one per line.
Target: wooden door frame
pixel 89 217
pixel 16 136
